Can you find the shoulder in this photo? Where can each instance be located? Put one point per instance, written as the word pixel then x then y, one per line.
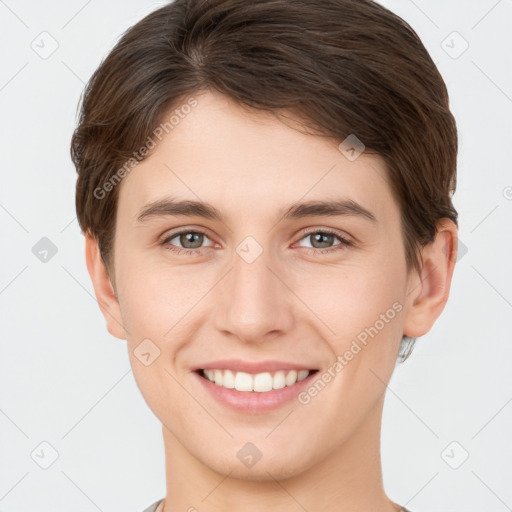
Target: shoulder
pixel 154 507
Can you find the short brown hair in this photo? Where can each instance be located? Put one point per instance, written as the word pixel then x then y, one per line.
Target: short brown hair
pixel 344 66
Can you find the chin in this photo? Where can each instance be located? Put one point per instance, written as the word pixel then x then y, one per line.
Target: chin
pixel 263 470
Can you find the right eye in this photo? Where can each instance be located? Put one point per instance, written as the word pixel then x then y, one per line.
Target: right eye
pixel 190 240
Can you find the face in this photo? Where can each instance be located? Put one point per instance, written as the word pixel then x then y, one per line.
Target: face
pixel 264 288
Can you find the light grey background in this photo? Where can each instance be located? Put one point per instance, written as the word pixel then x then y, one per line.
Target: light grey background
pixel 65 381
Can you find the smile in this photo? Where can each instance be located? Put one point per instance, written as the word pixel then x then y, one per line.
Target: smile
pixel 259 382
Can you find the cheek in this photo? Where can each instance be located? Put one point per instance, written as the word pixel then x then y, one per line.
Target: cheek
pixel 155 295
pixel 349 299
pixel 362 307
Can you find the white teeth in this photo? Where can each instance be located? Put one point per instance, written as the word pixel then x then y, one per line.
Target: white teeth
pixel 278 381
pixel 260 382
pixel 291 378
pixel 217 377
pixel 302 375
pixel 243 382
pixel 229 379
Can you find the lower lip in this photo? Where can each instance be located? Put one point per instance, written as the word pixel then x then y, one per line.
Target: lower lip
pixel 253 402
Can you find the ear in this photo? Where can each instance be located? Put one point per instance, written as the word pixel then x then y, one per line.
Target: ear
pixel 428 292
pixel 103 289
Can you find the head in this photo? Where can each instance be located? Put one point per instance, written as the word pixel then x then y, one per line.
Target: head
pixel 251 109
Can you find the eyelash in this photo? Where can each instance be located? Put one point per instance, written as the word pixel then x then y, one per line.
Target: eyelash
pixel 344 243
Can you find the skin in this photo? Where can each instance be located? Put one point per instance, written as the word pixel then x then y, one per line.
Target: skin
pixel 292 303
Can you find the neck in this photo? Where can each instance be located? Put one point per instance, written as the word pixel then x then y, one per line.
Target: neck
pixel 348 480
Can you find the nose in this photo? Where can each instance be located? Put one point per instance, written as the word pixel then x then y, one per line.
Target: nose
pixel 253 302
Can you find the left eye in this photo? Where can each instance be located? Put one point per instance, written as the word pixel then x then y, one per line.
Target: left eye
pixel 323 239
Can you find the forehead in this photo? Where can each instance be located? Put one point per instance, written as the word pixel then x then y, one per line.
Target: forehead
pixel 246 161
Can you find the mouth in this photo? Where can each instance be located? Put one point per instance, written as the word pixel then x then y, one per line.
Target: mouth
pixel 262 382
pixel 253 393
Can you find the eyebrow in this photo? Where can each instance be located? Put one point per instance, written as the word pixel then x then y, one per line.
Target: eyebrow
pixel 172 206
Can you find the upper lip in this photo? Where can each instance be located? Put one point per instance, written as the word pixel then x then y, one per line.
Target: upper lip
pixel 238 365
